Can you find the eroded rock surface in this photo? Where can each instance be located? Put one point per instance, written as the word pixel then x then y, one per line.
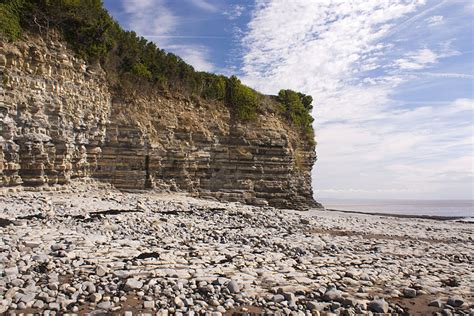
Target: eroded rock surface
pixel 54 111
pixel 60 120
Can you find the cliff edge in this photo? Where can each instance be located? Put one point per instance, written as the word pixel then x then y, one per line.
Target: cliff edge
pixel 63 117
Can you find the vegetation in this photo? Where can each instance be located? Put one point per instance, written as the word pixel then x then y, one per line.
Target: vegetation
pixel 243 99
pixel 10 18
pixel 297 107
pixel 213 87
pixel 128 58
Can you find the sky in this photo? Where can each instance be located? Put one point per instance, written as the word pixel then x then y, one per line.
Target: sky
pixel 392 80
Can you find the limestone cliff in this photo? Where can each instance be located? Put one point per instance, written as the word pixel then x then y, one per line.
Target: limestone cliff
pixel 60 119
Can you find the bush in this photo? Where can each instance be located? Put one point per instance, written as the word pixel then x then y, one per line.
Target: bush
pixel 214 87
pixel 140 70
pixel 10 19
pixel 297 107
pixel 242 99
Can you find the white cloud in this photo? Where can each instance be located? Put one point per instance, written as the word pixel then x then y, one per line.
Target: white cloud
pixel 365 137
pixel 403 154
pixel 435 20
pixel 417 60
pixel 195 55
pixel 154 20
pixel 234 12
pixel 204 5
pixel 464 104
pixel 150 17
pixel 446 75
pixel 425 57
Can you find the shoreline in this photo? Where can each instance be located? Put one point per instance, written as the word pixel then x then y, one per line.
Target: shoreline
pixel 106 251
pixel 431 217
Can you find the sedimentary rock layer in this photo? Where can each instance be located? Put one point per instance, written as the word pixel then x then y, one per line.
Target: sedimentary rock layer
pixel 61 120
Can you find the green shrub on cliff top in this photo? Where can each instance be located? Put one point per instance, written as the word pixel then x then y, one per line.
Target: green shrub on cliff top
pixel 297 107
pixel 242 99
pixel 213 87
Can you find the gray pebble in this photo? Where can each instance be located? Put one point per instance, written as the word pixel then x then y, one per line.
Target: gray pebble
pixel 409 292
pixel 233 287
pixel 378 306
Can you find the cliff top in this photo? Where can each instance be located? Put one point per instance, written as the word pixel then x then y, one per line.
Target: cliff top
pixel 135 65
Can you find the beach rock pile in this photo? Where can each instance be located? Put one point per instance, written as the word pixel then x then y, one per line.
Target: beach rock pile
pixel 105 251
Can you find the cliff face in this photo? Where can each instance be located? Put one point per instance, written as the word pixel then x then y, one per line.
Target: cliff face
pixel 60 120
pixel 54 112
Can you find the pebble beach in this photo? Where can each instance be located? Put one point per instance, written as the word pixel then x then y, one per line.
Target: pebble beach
pixel 96 250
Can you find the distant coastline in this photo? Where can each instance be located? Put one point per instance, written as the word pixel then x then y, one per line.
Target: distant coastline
pixel 432 217
pixel 434 209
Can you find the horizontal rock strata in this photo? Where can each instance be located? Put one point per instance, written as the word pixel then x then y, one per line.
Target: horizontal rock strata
pixel 59 120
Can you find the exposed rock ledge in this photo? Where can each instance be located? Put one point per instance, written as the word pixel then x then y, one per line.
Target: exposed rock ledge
pixel 60 120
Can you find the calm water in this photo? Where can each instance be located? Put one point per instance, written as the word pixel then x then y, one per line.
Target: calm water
pixel 463 208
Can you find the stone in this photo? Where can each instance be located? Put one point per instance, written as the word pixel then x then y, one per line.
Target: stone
pixel 409 292
pixel 332 294
pixel 11 292
pixel 378 306
pixel 316 306
pixel 11 271
pixel 233 287
pixel 3 308
pixel 33 243
pixel 278 298
pixel 54 306
pixel 54 286
pixel 349 302
pixel 149 304
pixel 436 303
pixel 290 297
pixel 220 281
pixel 39 304
pixel 56 247
pixel 17 282
pixel 89 287
pixel 335 305
pixel 42 258
pixel 100 271
pixel 178 302
pixel 95 297
pixel 133 284
pixel 27 298
pixel 105 305
pixel 455 301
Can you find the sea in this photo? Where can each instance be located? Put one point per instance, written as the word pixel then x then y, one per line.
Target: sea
pixel 454 208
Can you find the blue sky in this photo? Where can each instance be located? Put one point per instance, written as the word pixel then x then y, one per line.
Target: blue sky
pixel 393 80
